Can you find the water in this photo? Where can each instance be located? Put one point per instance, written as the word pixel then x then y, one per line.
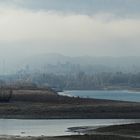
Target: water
pixel 52 127
pixel 122 95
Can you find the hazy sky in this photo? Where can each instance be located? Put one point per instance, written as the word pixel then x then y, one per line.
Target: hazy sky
pixel 69 27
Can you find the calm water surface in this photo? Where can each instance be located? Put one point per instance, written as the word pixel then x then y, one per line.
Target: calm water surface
pixel 52 127
pixel 122 95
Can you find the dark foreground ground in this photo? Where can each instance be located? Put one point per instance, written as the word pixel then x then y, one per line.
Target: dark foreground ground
pixel 129 130
pixel 91 137
pixel 121 132
pixel 41 104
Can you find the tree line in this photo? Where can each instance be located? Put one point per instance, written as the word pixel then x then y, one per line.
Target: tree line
pixel 78 80
pixel 81 80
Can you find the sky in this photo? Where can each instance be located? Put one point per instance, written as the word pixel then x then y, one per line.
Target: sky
pixel 69 27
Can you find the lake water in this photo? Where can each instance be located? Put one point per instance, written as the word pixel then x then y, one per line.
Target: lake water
pixel 122 95
pixel 52 127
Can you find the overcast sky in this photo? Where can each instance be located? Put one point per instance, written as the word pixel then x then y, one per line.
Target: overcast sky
pixel 69 27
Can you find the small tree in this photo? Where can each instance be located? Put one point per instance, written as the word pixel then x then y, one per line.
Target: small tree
pixel 5 95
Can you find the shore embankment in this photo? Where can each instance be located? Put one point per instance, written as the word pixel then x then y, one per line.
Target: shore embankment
pixel 41 104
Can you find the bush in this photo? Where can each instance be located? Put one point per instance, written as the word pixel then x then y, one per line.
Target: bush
pixel 5 95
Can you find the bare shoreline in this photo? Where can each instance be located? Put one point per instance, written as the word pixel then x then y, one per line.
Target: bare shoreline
pixel 47 104
pixel 68 108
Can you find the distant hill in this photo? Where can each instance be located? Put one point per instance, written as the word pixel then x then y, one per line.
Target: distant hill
pixel 60 63
pixel 57 63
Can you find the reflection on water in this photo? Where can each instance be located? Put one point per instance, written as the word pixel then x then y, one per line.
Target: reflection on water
pixel 52 127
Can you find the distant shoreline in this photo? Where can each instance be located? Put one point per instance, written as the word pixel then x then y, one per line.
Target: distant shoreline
pixel 115 95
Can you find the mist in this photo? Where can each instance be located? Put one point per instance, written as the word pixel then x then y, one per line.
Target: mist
pixel 29 29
